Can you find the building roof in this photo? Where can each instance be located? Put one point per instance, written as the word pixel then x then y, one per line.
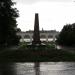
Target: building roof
pixel 43 31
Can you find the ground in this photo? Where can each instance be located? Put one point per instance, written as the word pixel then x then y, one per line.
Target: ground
pixel 28 54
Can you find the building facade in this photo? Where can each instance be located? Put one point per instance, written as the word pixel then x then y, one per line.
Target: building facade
pixel 45 35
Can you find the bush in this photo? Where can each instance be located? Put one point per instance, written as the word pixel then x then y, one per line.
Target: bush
pixel 23 45
pixel 51 46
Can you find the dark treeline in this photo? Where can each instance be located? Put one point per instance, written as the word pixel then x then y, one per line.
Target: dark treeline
pixel 8 24
pixel 67 35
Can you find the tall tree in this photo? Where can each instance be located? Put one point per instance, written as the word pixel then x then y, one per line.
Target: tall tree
pixel 8 24
pixel 67 35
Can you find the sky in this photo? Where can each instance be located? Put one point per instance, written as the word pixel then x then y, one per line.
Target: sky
pixel 53 14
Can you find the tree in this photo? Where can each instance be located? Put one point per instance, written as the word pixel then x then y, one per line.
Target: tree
pixel 67 35
pixel 18 30
pixel 8 24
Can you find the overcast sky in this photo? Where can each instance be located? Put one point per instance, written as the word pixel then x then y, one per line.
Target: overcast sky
pixel 53 14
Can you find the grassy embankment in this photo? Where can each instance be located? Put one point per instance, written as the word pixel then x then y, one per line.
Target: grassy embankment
pixel 32 54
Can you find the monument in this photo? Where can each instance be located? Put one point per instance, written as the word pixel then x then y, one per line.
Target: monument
pixel 36 33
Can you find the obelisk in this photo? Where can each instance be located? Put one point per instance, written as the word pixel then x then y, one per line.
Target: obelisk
pixel 36 33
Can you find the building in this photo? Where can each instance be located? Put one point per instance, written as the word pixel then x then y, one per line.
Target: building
pixel 45 35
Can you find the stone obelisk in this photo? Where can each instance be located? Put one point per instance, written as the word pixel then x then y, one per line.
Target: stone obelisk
pixel 36 33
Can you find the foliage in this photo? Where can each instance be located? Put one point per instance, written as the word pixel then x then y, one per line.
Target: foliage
pixel 51 46
pixel 18 30
pixel 23 45
pixel 67 35
pixel 8 24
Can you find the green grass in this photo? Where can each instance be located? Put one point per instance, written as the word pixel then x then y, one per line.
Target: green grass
pixel 38 54
pixel 32 53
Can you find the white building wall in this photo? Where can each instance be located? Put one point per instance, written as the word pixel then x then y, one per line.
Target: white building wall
pixel 22 34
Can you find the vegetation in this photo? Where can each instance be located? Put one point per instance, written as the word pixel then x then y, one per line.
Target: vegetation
pixel 23 45
pixel 67 35
pixel 50 46
pixel 36 55
pixel 8 24
pixel 31 53
pixel 42 46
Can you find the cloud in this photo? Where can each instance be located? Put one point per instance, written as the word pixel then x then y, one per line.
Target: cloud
pixel 27 1
pixel 51 15
pixel 34 1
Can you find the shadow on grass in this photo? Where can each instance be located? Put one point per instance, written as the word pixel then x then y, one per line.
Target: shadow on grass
pixel 36 54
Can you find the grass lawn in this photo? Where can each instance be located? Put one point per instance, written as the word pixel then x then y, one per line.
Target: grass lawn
pixel 36 54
